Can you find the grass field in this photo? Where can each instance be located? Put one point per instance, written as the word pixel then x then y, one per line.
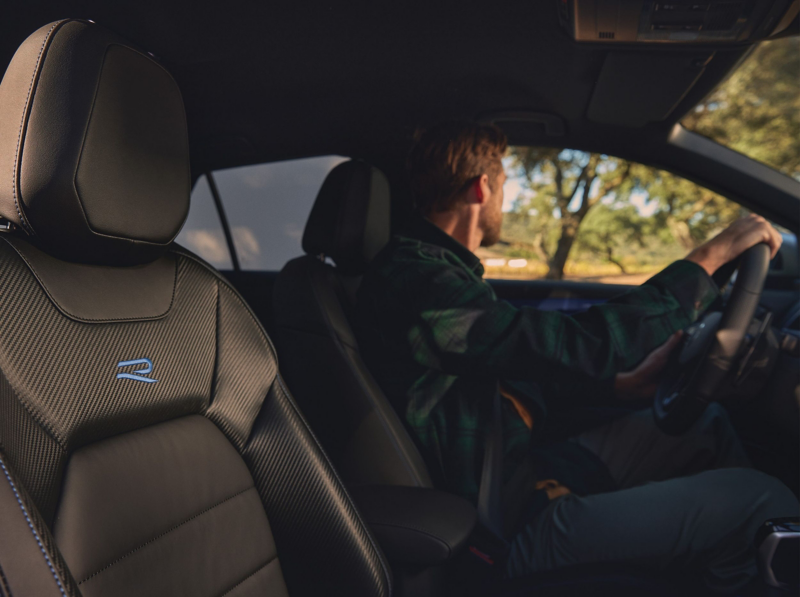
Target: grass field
pixel 502 266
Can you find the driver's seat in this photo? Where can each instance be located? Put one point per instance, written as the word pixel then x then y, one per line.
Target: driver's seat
pixel 148 445
pixel 366 439
pixel 313 302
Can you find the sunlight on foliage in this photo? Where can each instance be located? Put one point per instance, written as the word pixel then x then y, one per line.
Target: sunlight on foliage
pixel 584 215
pixel 757 110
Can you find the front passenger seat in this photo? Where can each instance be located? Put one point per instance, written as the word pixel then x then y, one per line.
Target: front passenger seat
pixel 148 445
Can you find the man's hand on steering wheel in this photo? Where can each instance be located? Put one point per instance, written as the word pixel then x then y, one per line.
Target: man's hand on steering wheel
pixel 722 347
pixel 642 382
pixel 735 240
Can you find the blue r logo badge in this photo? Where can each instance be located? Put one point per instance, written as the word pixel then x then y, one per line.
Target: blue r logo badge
pixel 138 374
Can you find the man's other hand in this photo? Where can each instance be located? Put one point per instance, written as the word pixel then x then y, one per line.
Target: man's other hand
pixel 643 381
pixel 734 240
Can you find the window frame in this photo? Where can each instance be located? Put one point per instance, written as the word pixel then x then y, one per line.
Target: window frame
pixel 223 219
pixel 222 214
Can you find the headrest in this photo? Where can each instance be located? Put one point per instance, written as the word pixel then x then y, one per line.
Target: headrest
pixel 94 151
pixel 350 220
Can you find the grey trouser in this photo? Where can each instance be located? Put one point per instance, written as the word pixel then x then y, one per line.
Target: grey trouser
pixel 685 500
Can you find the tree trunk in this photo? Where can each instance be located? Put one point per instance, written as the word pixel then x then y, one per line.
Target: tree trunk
pixel 570 222
pixel 610 257
pixel 569 230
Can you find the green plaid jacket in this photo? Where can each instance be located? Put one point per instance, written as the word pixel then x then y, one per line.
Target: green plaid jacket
pixel 437 340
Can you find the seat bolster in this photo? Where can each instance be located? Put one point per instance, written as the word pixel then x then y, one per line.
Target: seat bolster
pixel 319 534
pixel 311 514
pixel 30 563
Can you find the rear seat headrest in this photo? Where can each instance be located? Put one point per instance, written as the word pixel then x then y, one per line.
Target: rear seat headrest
pixel 94 151
pixel 350 220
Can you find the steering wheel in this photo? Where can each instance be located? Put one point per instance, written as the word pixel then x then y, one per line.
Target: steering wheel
pixel 711 348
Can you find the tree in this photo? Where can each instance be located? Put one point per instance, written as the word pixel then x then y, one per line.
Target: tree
pixel 687 212
pixel 757 110
pixel 566 184
pixel 550 216
pixel 612 230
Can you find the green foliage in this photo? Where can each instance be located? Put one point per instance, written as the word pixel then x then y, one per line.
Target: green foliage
pixel 757 110
pixel 686 213
pixel 564 185
pixel 577 205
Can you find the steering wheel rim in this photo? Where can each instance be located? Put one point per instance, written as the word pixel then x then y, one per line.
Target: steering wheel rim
pixel 710 349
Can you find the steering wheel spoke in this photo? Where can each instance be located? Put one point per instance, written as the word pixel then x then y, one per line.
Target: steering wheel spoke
pixel 712 347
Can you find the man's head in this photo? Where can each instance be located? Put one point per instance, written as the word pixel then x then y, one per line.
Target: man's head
pixel 457 166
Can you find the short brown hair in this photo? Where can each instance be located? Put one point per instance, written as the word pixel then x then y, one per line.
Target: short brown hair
pixel 446 158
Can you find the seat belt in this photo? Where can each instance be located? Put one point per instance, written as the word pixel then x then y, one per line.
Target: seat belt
pixel 490 511
pixel 488 544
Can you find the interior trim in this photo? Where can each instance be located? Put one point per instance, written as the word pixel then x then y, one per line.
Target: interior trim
pixel 99 293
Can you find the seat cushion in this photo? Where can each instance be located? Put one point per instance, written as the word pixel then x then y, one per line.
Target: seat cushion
pixel 166 510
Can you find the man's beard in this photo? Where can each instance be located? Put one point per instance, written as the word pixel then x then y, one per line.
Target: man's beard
pixel 491 221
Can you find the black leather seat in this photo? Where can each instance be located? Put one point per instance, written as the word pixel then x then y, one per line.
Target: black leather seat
pixel 365 438
pixel 149 445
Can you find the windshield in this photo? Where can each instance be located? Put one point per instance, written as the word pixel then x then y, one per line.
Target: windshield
pixel 756 111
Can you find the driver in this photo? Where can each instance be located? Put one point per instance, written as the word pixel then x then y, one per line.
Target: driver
pixel 439 343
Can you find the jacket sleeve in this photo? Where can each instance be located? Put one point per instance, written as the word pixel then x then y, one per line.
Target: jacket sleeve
pixel 461 328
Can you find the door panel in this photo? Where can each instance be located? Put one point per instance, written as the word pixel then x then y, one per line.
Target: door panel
pixel 555 295
pixel 779 296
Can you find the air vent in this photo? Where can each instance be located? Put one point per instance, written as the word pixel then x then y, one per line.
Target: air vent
pixel 606 35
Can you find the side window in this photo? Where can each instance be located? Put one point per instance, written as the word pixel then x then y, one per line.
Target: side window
pixel 202 233
pixel 572 215
pixel 267 206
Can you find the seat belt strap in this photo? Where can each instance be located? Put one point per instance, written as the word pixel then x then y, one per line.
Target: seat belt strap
pixel 490 512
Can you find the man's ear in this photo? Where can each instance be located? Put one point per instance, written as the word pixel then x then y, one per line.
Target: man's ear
pixel 480 189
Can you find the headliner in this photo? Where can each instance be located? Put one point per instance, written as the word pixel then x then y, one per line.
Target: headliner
pixel 295 79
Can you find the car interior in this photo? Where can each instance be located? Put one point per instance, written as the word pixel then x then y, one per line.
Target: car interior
pixel 173 422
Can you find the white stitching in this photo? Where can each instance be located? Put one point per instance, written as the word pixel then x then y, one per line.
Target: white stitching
pixel 33 530
pixel 167 532
pixel 251 575
pixel 66 313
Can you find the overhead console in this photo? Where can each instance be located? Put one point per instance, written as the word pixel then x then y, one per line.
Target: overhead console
pixel 678 22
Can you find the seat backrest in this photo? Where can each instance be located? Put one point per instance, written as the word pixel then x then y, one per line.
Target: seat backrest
pixel 147 442
pixel 355 422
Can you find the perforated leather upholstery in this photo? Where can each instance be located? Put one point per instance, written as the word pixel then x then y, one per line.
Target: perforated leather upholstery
pixel 355 422
pixel 150 445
